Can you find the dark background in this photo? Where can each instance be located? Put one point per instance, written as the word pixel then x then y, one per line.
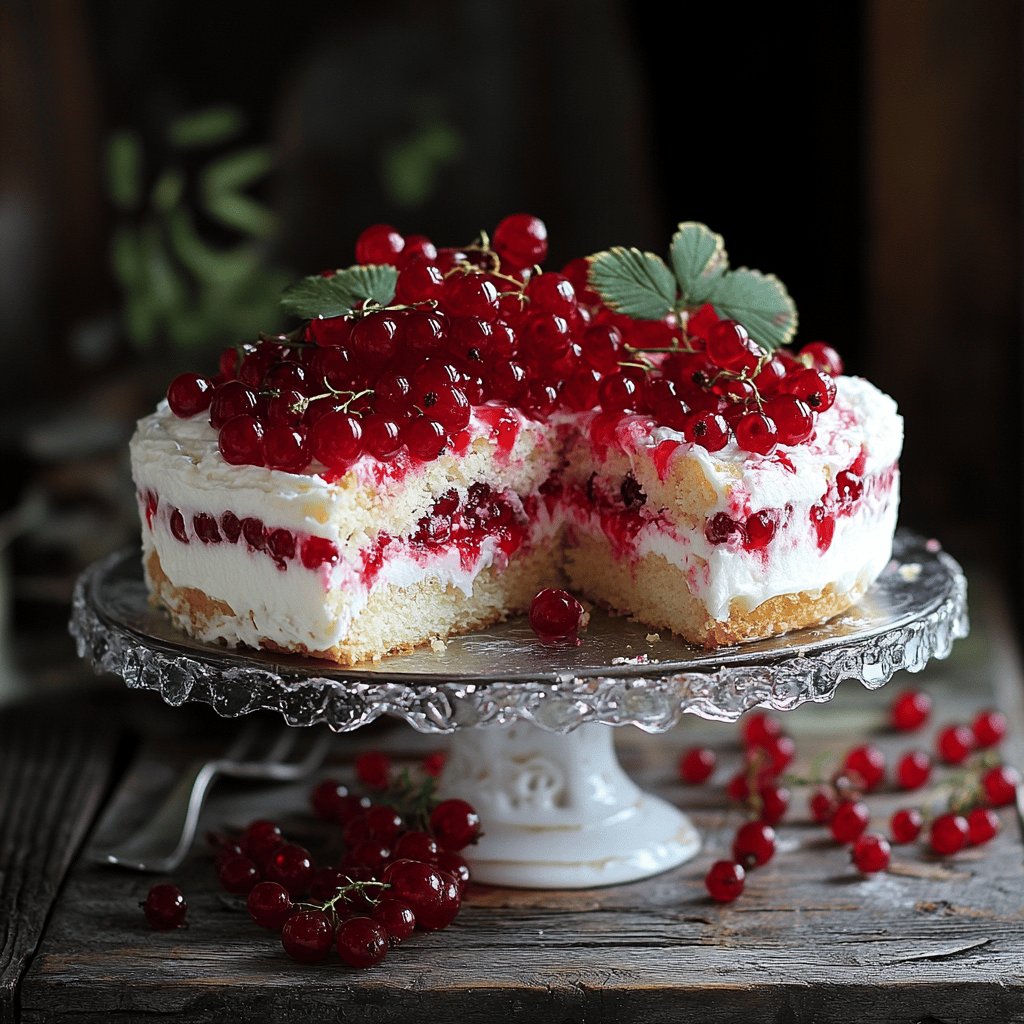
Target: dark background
pixel 867 153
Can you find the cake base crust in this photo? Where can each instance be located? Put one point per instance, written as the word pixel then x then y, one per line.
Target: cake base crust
pixel 656 593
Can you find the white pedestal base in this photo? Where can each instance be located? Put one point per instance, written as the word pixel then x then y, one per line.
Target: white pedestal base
pixel 559 812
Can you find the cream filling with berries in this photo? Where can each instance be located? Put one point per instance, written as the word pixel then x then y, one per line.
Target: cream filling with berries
pixel 862 430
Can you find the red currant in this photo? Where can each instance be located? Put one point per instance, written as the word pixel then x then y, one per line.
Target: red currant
pixel 1000 785
pixel 816 389
pixel 455 824
pixel 849 821
pixel 260 839
pixel 870 853
pixel 756 433
pixel 989 728
pixel 696 765
pixel 822 804
pixel 948 833
pixel 425 437
pixel 754 844
pixel 905 825
pixel 362 942
pixel 374 769
pixel 379 243
pixel 230 400
pixel 982 826
pixel 241 441
pixel 869 764
pixel 556 616
pixel 189 394
pixel 165 907
pixel 821 356
pixel 955 744
pixel 381 437
pixel 730 347
pixel 417 846
pixel 521 240
pixel 793 419
pixel 724 880
pixel 285 448
pixel 432 894
pixel 910 710
pixel 758 728
pixel 396 918
pixel 291 866
pixel 914 769
pixel 307 936
pixel 774 801
pixel 269 905
pixel 237 874
pixel 318 551
pixel 707 429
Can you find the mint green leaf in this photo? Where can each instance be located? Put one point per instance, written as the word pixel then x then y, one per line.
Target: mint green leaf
pixel 237 170
pixel 205 263
pixel 168 190
pixel 208 127
pixel 758 301
pixel 635 283
pixel 242 213
pixel 124 170
pixel 322 297
pixel 699 259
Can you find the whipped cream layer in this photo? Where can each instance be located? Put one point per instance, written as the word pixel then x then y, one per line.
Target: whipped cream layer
pixel 832 503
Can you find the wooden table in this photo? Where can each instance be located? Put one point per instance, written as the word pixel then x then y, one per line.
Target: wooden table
pixel 810 940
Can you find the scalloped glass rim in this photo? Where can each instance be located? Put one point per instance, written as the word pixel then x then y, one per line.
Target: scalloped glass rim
pixel 914 612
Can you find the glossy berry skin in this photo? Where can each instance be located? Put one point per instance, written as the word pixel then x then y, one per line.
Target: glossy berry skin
pixel 396 918
pixel 362 942
pixel 849 821
pixel 793 419
pixel 336 440
pixel 905 825
pixel 237 874
pixel 725 880
pixel 822 356
pixel 777 754
pixel 774 800
pixel 756 433
pixel 869 764
pixel 268 903
pixel 417 846
pixel 555 616
pixel 1000 785
pixel 455 824
pixel 165 907
pixel 307 936
pixel 709 430
pixel 454 864
pixel 260 839
pixel 982 826
pixel 373 769
pixel 291 866
pixel 696 765
pixel 754 844
pixel 989 728
pixel 379 243
pixel 948 834
pixel 521 240
pixel 870 853
pixel 189 394
pixel 432 894
pixel 240 441
pixel 955 744
pixel 914 769
pixel 910 710
pixel 729 346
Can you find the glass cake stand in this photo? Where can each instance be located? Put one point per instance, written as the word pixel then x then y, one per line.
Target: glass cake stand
pixel 530 748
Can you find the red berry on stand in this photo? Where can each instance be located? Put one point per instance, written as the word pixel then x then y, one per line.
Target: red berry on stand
pixel 730 347
pixel 982 826
pixel 955 744
pixel 556 617
pixel 725 880
pixel 165 907
pixel 240 441
pixel 989 728
pixel 822 356
pixel 696 765
pixel 754 844
pixel 905 825
pixel 870 853
pixel 756 433
pixel 379 243
pixel 189 394
pixel 362 942
pixel 868 762
pixel 373 769
pixel 455 824
pixel 1000 785
pixel 521 240
pixel 307 936
pixel 948 833
pixel 914 769
pixel 849 821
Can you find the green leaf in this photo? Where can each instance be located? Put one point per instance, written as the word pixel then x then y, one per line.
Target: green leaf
pixel 322 297
pixel 124 170
pixel 699 259
pixel 636 283
pixel 758 301
pixel 208 127
pixel 168 190
pixel 237 170
pixel 206 263
pixel 243 214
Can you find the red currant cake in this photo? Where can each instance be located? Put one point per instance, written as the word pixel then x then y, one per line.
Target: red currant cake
pixel 450 431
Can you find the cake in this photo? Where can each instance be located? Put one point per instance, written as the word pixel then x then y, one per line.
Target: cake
pixel 449 431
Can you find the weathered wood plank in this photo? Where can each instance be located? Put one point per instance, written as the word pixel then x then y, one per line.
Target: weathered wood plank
pixel 55 761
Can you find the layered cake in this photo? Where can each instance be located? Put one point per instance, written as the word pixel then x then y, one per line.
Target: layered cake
pixel 449 431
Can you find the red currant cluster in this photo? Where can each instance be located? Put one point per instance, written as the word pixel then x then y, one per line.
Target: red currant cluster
pixel 483 323
pixel 965 817
pixel 401 869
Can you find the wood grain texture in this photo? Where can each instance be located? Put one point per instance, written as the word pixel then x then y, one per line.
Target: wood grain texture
pixel 54 766
pixel 809 941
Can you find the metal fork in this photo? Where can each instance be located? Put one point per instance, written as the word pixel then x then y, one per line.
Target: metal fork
pixel 252 755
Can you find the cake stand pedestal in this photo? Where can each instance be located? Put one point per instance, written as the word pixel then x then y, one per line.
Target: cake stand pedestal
pixel 531 748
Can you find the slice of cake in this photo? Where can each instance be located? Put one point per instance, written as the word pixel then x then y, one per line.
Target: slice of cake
pixel 451 430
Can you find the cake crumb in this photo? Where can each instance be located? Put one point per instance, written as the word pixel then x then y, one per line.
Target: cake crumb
pixel 640 659
pixel 437 645
pixel 910 572
pixel 654 638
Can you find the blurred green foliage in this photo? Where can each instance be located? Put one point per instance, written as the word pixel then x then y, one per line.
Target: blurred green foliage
pixel 179 287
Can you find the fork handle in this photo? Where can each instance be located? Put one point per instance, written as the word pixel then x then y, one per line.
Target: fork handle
pixel 164 841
